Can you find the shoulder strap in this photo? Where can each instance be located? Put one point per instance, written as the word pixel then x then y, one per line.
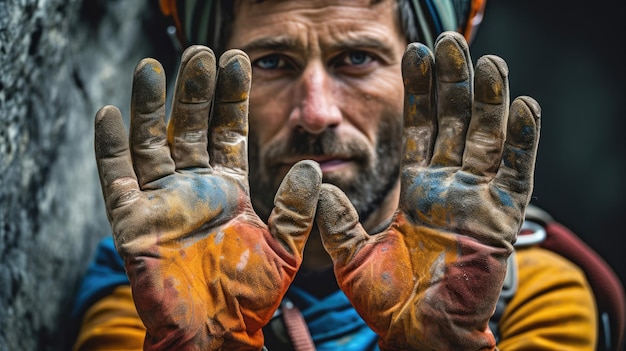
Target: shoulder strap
pixel 508 290
pixel 606 286
pixel 539 228
pixel 296 327
pixel 532 233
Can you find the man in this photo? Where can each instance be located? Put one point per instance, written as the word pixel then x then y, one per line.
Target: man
pixel 387 186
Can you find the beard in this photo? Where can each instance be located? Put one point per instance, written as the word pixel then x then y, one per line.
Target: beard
pixel 376 174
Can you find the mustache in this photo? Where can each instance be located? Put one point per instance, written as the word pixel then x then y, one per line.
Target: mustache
pixel 302 145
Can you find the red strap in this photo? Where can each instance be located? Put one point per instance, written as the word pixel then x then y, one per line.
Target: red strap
pixel 296 328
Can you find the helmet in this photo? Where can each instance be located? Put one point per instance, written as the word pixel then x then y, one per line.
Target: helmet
pixel 206 22
pixel 424 20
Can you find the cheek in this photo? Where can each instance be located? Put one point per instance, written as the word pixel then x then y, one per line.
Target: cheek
pixel 376 108
pixel 268 115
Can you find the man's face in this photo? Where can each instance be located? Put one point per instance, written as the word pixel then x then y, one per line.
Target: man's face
pixel 326 86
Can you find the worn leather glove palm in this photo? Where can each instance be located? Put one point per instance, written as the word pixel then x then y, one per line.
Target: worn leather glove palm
pixel 431 280
pixel 206 273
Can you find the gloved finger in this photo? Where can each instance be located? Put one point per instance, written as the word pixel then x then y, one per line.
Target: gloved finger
pixel 228 131
pixel 420 111
pixel 486 133
pixel 520 149
pixel 189 122
pixel 295 204
pixel 148 142
pixel 454 103
pixel 338 223
pixel 117 177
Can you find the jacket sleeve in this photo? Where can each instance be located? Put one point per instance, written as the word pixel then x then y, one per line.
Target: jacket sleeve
pixel 553 307
pixel 111 323
pixel 104 312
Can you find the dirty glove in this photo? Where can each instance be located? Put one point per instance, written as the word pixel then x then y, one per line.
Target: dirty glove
pixel 206 272
pixel 431 280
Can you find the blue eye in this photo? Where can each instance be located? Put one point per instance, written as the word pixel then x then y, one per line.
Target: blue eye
pixel 358 58
pixel 269 62
pixel 355 59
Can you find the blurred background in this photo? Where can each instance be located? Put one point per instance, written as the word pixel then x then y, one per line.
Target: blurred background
pixel 569 56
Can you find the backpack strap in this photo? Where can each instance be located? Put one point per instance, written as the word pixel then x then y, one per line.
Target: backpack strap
pixel 532 233
pixel 296 327
pixel 606 286
pixel 539 228
pixel 508 290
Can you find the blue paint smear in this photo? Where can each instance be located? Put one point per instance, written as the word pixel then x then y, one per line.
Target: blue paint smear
pixel 432 188
pixel 504 198
pixel 511 155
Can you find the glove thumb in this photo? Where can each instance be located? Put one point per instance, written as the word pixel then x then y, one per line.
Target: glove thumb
pixel 338 223
pixel 295 203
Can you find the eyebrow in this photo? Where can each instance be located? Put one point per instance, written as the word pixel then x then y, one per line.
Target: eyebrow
pixel 271 43
pixel 284 43
pixel 363 42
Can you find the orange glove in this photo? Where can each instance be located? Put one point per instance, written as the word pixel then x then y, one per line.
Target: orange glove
pixel 206 272
pixel 431 280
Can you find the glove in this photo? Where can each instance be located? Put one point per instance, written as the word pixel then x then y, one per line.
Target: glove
pixel 431 280
pixel 206 272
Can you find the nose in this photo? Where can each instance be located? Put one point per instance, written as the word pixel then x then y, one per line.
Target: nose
pixel 315 108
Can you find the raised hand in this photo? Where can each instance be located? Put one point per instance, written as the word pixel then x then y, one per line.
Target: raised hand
pixel 431 280
pixel 206 273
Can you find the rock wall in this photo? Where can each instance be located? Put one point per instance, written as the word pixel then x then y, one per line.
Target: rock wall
pixel 60 60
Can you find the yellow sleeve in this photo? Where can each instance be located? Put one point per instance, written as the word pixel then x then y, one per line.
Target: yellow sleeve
pixel 112 323
pixel 553 308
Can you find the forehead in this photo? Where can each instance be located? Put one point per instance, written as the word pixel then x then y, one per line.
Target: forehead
pixel 322 21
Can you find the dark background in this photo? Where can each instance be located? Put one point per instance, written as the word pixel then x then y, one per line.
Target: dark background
pixel 569 56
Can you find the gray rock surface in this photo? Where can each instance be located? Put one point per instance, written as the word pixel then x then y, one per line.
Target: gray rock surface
pixel 60 60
